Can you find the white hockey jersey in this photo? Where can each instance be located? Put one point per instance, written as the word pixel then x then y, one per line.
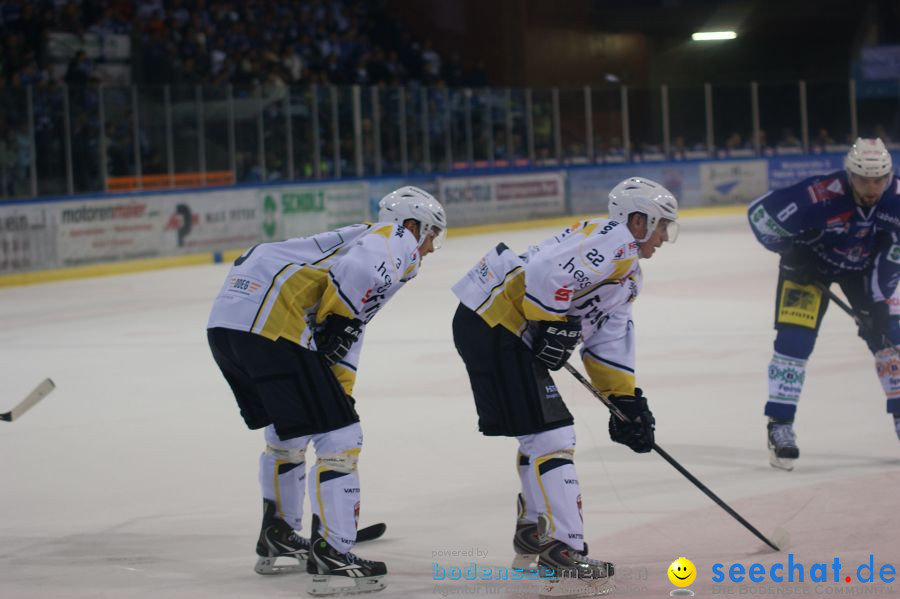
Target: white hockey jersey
pixel 285 289
pixel 590 270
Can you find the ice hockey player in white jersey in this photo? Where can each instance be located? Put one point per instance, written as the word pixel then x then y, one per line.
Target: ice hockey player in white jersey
pixel 521 315
pixel 286 331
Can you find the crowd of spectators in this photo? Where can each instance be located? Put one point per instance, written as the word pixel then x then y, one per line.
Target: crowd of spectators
pixel 271 42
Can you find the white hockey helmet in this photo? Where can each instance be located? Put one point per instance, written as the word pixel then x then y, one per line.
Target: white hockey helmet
pixel 637 194
pixel 413 203
pixel 868 158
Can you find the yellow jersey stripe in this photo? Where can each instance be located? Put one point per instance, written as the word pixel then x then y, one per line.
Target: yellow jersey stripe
pixel 272 286
pixel 345 376
pixel 287 317
pixel 607 379
pixel 497 288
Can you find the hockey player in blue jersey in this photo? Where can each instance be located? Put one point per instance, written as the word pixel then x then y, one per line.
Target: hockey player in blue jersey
pixel 844 228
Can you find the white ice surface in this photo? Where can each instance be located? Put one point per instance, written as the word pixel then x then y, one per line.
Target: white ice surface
pixel 137 477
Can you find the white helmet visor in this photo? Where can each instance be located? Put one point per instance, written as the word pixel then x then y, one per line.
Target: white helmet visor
pixel 670 228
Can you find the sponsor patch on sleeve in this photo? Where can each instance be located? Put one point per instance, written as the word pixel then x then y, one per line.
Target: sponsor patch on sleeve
pixel 765 224
pixel 243 285
pixel 893 254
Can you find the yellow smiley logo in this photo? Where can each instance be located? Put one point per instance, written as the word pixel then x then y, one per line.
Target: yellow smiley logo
pixel 682 572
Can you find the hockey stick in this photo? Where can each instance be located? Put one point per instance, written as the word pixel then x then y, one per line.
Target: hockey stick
pixel 621 416
pixel 371 532
pixel 39 393
pixel 827 292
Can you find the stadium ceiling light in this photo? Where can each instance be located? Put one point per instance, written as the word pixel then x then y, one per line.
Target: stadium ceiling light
pixel 707 36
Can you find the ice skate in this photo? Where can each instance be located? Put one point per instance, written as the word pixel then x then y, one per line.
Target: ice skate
pixel 897 424
pixel 574 574
pixel 335 573
pixel 278 539
pixel 783 448
pixel 526 542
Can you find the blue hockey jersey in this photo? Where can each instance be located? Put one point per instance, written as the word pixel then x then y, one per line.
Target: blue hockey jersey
pixel 820 214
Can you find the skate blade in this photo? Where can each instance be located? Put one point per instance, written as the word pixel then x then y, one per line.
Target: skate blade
pixel 328 586
pixel 781 463
pixel 574 588
pixel 527 562
pixel 267 566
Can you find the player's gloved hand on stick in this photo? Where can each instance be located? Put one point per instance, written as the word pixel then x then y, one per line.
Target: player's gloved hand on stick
pixel 554 341
pixel 637 434
pixel 875 319
pixel 335 336
pixel 798 264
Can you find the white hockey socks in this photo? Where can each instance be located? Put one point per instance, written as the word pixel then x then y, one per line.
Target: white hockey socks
pixel 554 483
pixel 282 470
pixel 334 485
pixel 786 375
pixel 530 491
pixel 887 364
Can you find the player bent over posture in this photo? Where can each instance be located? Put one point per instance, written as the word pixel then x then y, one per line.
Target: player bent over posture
pixel 836 228
pixel 286 331
pixel 522 315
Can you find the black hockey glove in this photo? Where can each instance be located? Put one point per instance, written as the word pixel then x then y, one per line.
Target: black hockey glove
pixel 799 265
pixel 875 321
pixel 554 341
pixel 637 434
pixel 335 336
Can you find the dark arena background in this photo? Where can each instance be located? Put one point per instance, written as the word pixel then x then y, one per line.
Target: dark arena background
pixel 145 144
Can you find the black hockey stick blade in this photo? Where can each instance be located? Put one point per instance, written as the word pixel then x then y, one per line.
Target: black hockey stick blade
pixel 39 393
pixel 370 533
pixel 618 414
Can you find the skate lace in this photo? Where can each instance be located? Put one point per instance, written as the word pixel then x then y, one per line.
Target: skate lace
pixel 589 560
pixel 784 436
pixel 603 566
pixel 355 559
